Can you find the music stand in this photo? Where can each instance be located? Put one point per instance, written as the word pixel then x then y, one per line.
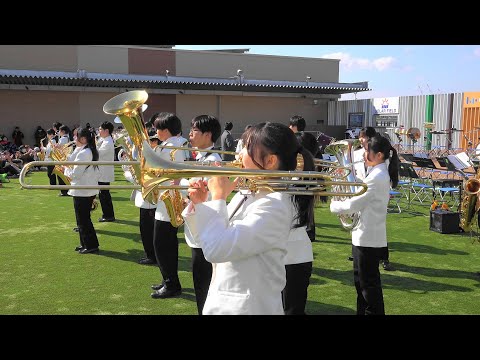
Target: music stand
pixel 407 157
pixel 442 162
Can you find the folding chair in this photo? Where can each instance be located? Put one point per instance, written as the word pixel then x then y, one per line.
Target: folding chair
pixel 421 191
pixel 395 197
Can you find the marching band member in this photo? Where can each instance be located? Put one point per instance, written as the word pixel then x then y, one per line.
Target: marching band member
pixel 359 154
pixel 63 139
pixel 246 240
pixel 205 130
pixel 369 238
pixel 165 241
pixel 106 152
pixel 48 149
pixel 82 199
pixel 147 215
pixel 299 259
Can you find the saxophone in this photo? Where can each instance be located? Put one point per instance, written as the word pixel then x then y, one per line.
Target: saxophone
pixel 467 207
pixel 173 201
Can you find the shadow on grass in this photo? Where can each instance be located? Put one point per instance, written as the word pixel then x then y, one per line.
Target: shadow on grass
pixel 317 308
pixel 130 236
pixel 443 273
pixel 117 198
pixel 389 280
pixel 421 248
pixel 126 222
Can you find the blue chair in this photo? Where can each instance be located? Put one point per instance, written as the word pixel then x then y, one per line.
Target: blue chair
pixel 395 196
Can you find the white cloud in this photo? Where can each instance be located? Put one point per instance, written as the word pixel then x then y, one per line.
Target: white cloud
pixel 476 52
pixel 351 63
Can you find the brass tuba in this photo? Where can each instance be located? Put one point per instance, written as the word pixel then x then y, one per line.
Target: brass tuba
pixel 467 207
pixel 61 153
pixel 343 151
pixel 128 108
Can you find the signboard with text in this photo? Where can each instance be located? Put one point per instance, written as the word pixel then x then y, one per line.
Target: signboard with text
pixel 471 99
pixel 386 105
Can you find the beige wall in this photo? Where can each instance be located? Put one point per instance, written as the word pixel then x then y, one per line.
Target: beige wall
pixel 91 108
pixel 189 106
pixel 29 109
pixel 39 57
pixel 224 65
pixel 244 110
pixel 103 59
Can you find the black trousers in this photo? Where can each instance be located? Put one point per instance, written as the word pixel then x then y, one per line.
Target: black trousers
pixel 61 182
pixel 51 177
pixel 165 243
pixel 367 280
pixel 202 275
pixel 294 295
pixel 106 202
pixel 88 236
pixel 147 221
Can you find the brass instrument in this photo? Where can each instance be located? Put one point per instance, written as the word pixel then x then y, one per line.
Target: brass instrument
pixel 60 153
pixel 41 153
pixel 343 151
pixel 467 207
pixel 126 106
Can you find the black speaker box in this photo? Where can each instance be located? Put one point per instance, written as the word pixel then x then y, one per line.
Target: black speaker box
pixel 445 222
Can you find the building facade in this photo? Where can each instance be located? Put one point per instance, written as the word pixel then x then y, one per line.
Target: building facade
pixel 43 84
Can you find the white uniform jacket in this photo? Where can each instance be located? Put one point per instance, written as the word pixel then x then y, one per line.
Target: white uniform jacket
pixel 64 140
pixel 106 152
pixel 247 252
pixel 161 213
pixel 359 164
pixel 200 157
pixel 299 247
pixel 82 174
pixel 372 206
pixel 48 149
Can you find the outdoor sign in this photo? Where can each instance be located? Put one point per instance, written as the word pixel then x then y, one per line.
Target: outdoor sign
pixel 387 105
pixel 471 99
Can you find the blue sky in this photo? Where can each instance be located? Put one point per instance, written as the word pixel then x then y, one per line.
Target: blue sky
pixel 391 70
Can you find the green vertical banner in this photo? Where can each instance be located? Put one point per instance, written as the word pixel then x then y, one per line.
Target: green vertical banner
pixel 429 119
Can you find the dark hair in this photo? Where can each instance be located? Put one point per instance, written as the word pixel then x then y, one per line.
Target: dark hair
pixel 51 131
pixel 56 125
pixel 228 126
pixel 299 122
pixel 274 138
pixel 308 141
pixel 168 121
pixel 381 144
pixel 107 125
pixel 245 133
pixel 207 123
pixel 90 136
pixel 368 131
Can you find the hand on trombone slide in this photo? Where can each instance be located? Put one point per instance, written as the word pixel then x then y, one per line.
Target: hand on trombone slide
pixel 219 186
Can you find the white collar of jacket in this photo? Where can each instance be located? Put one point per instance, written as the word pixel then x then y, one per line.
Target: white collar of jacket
pixel 172 140
pixel 371 169
pixel 202 153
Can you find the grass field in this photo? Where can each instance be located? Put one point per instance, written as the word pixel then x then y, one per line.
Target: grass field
pixel 40 273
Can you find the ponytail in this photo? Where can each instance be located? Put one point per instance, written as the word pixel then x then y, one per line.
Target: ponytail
pixel 381 144
pixel 304 203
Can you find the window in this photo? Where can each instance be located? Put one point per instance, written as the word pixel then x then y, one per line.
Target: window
pixel 356 120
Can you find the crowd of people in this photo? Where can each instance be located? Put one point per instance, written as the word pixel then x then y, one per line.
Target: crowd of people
pixel 245 257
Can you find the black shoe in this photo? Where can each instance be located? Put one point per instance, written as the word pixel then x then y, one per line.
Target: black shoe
pixel 78 248
pixel 147 261
pixel 387 266
pixel 75 229
pixel 63 194
pixel 157 287
pixel 350 258
pixel 89 251
pixel 164 293
pixel 102 219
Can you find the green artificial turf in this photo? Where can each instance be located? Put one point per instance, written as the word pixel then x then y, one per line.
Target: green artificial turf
pixel 40 273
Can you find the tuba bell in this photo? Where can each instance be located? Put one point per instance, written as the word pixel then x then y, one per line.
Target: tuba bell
pixel 343 151
pixel 467 207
